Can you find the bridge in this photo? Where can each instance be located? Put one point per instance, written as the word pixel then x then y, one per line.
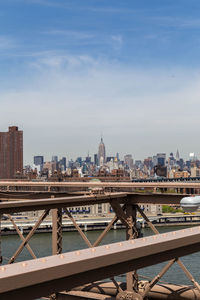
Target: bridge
pixel 38 189
pixel 56 276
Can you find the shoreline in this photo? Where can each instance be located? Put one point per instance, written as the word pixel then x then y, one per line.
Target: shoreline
pixel 96 223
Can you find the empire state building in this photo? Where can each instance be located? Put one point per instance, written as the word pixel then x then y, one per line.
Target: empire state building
pixel 101 153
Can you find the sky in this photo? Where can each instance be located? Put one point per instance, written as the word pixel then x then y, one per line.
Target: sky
pixel 73 70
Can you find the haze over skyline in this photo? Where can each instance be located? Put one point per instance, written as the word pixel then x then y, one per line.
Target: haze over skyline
pixel 73 70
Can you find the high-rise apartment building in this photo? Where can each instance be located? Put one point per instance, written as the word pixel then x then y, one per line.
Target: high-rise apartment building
pixel 11 153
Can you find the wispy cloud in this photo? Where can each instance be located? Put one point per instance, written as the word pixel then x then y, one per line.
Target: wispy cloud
pixel 117 41
pixel 83 96
pixel 179 22
pixel 71 34
pixel 93 8
pixel 7 43
pixel 56 61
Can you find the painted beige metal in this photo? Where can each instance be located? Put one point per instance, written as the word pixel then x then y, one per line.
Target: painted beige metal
pixel 108 288
pixel 173 292
pixel 158 292
pixel 79 295
pixel 41 277
pixel 101 184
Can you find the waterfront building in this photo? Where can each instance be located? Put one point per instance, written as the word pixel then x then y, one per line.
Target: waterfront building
pixel 151 209
pixel 101 153
pixel 11 153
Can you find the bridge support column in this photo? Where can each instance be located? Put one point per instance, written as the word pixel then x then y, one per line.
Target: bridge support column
pixel 131 233
pixel 56 231
pixel 1 259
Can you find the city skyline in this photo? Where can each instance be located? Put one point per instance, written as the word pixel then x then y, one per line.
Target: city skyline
pixel 48 156
pixel 130 70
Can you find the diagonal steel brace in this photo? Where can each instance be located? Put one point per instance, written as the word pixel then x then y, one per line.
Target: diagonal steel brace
pixel 21 236
pixel 26 240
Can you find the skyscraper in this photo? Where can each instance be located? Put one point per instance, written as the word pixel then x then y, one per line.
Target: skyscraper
pixel 11 152
pixel 177 155
pixel 101 153
pixel 161 159
pixel 128 160
pixel 38 160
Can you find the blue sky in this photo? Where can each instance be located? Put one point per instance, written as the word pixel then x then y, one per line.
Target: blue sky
pixel 73 70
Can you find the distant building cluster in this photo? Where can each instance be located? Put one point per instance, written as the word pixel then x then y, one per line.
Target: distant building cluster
pixel 109 167
pixel 99 166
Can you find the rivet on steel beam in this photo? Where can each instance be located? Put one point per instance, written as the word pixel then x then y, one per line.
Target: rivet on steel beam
pixel 24 264
pixel 3 269
pixel 107 247
pixel 61 256
pixel 77 253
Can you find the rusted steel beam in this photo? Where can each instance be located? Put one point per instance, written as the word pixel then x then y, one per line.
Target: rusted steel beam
pixel 151 284
pixel 119 212
pixel 155 198
pixel 56 231
pixel 173 292
pixel 188 274
pixel 49 203
pixel 21 236
pixel 153 228
pixel 131 233
pixel 78 229
pixel 79 295
pixel 26 240
pixel 102 235
pixel 41 277
pixel 170 263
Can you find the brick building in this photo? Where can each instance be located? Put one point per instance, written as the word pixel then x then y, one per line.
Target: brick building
pixel 11 153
